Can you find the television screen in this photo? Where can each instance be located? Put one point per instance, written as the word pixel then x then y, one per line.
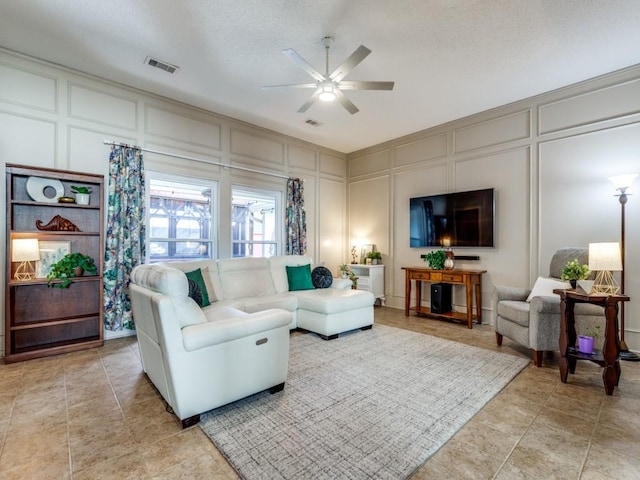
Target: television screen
pixel 462 219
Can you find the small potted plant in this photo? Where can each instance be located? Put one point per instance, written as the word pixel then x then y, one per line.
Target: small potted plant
pixel 344 270
pixel 586 341
pixel 354 280
pixel 83 194
pixel 574 271
pixel 436 259
pixel 70 266
pixel 375 257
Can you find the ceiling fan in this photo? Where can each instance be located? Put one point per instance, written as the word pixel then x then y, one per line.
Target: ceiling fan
pixel 329 86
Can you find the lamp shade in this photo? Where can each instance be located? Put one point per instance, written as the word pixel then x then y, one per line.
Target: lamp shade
pixel 605 256
pixel 622 182
pixel 25 250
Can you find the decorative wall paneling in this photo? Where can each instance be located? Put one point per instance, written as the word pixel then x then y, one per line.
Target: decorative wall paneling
pixel 430 148
pixel 55 117
pixel 370 164
pixel 28 88
pixel 497 131
pixel 549 158
pixel 91 104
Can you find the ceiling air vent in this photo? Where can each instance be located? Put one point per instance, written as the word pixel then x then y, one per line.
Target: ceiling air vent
pixel 167 67
pixel 312 122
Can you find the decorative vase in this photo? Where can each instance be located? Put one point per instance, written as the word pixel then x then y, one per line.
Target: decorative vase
pixel 374 261
pixel 344 275
pixel 573 283
pixel 78 271
pixel 83 198
pixel 585 344
pixel 449 263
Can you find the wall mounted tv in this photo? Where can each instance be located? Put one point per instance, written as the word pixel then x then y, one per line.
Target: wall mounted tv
pixel 461 219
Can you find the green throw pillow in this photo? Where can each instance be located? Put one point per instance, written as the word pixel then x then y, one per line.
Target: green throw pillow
pixel 196 276
pixel 299 278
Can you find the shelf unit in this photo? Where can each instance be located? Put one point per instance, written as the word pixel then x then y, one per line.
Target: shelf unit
pixel 40 320
pixel 371 279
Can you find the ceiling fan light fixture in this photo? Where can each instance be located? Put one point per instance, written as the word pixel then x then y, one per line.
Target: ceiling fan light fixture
pixel 327 94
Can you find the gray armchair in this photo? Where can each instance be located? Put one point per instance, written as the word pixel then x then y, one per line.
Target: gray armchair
pixel 536 324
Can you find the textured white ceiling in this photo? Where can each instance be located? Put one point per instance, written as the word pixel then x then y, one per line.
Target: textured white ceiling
pixel 449 58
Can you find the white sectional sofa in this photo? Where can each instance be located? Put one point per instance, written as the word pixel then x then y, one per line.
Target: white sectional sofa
pixel 200 358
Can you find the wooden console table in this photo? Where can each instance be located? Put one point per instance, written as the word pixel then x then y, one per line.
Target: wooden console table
pixel 470 279
pixel 608 357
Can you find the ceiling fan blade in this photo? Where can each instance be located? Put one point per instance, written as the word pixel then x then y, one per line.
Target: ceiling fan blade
pixel 302 63
pixel 346 103
pixel 350 63
pixel 293 85
pixel 311 101
pixel 346 85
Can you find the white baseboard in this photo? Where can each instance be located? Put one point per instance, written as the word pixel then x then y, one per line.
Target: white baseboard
pixel 110 334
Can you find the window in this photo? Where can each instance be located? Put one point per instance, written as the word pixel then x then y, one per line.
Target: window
pixel 179 217
pixel 255 222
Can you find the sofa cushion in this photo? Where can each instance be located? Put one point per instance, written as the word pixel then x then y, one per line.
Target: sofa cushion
pixel 299 278
pixel 277 266
pixel 245 277
pixel 209 269
pixel 199 293
pixel 544 287
pixel 321 277
pixel 172 283
pixel 515 311
pixel 331 300
pixel 285 301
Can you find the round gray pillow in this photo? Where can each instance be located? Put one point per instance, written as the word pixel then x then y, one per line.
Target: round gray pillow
pixel 321 277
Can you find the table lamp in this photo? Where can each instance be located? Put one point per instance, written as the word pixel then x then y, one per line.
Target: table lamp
pixel 25 251
pixel 604 258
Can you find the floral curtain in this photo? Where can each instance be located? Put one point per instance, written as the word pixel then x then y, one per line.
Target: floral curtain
pixel 296 221
pixel 125 238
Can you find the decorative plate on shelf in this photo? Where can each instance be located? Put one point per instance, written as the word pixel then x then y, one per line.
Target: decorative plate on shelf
pixel 46 190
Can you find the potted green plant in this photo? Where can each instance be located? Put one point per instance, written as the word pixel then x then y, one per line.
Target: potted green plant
pixel 354 280
pixel 344 270
pixel 586 341
pixel 83 194
pixel 70 266
pixel 375 257
pixel 574 271
pixel 436 259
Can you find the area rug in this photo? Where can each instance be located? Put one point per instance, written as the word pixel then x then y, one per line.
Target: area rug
pixel 370 404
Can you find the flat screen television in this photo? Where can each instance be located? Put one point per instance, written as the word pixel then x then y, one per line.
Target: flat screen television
pixel 461 219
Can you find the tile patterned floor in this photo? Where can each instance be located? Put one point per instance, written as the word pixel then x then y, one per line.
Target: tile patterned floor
pixel 93 415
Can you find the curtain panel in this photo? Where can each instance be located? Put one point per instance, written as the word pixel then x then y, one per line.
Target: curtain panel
pixel 125 235
pixel 296 221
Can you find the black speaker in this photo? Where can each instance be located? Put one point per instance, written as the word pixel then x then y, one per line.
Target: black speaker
pixel 441 297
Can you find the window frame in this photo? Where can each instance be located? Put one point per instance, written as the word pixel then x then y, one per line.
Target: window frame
pixel 278 217
pixel 213 185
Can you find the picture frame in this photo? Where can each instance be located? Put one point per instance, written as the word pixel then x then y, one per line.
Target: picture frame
pixel 364 251
pixel 50 253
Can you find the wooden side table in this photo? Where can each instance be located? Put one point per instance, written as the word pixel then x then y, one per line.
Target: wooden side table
pixel 470 279
pixel 608 357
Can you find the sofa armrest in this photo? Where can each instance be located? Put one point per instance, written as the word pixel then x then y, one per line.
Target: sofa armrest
pixel 342 283
pixel 545 304
pixel 202 335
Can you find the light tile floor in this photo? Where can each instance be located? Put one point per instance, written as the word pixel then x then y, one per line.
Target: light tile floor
pixel 93 414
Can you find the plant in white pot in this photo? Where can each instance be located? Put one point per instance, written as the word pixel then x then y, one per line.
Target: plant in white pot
pixel 83 195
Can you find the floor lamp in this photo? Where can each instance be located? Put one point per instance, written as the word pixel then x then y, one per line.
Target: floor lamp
pixel 622 183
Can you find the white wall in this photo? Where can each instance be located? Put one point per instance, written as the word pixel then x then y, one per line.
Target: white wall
pixel 549 159
pixel 57 118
